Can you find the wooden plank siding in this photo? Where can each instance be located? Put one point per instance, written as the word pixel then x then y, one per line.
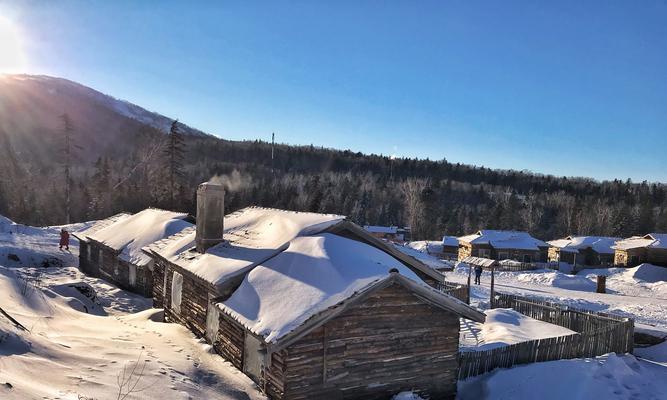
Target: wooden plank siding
pixel 194 300
pixel 391 342
pixel 104 263
pixel 488 251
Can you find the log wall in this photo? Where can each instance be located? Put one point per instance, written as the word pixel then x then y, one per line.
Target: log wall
pixel 229 341
pixel 391 342
pixel 194 301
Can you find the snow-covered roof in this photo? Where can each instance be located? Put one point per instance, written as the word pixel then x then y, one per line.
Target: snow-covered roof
pixel 252 235
pixel 381 229
pixel 504 239
pixel 418 250
pixel 482 262
pixel 130 234
pixel 99 225
pixel 652 240
pixel 426 246
pixel 312 275
pixel 450 241
pixel 599 244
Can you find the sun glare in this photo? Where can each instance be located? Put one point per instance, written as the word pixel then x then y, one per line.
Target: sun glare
pixel 12 58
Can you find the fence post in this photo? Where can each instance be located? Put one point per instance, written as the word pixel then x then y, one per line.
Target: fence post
pixel 493 274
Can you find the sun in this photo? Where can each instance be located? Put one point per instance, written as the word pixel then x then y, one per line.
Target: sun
pixel 12 58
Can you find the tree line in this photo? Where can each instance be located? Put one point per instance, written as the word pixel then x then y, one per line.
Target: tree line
pixel 433 197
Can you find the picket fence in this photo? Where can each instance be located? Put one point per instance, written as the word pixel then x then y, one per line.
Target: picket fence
pixel 597 334
pixel 457 290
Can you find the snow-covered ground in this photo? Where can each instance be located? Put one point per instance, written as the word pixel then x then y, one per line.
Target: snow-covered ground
pixel 78 342
pixel 82 333
pixel 609 377
pixel 634 292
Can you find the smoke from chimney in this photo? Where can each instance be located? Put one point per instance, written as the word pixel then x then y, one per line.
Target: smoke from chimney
pixel 210 215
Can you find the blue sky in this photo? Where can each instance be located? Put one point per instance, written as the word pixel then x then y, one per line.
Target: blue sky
pixel 564 88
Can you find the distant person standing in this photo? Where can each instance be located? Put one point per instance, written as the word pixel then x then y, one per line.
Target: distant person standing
pixel 64 239
pixel 478 275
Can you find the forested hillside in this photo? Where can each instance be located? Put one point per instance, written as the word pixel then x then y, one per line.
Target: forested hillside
pixel 126 164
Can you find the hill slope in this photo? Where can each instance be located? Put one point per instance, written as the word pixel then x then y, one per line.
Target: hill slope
pixel 120 166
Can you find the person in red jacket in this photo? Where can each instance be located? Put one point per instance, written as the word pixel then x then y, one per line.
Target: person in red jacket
pixel 64 239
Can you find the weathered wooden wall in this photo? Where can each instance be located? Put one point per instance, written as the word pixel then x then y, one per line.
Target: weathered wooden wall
pixel 657 256
pixel 391 342
pixel 229 341
pixel 625 257
pixel 194 301
pixel 158 282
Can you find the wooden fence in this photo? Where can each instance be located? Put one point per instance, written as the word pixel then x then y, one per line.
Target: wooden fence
pixel 597 334
pixel 457 290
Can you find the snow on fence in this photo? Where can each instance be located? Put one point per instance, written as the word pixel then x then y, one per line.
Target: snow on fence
pixel 457 290
pixel 597 334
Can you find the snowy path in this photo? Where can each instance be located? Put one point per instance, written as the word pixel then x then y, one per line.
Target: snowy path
pixel 645 310
pixel 76 348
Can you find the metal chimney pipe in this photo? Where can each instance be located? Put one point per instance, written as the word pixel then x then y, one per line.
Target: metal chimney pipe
pixel 210 215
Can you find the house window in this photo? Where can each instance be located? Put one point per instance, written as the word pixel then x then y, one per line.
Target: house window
pixel 527 258
pixel 503 255
pixel 484 253
pixel 176 292
pixel 89 252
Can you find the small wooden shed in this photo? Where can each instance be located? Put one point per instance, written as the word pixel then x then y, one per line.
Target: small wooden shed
pixel 583 250
pixel 312 306
pixel 650 248
pixel 112 248
pixel 503 245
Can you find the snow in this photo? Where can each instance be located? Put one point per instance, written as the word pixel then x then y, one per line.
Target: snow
pixel 572 244
pixel 652 240
pixel 450 241
pixel 504 326
pixel 407 396
pixel 422 256
pixel 79 340
pixel 381 229
pixel 252 236
pixel 660 240
pixel 504 239
pixel 130 234
pixel 644 300
pixel 610 377
pixel 426 246
pixel 313 274
pixel 99 225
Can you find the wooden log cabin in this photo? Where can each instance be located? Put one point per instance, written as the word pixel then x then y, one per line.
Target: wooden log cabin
pixel 589 251
pixel 88 259
pixel 111 249
pixel 503 245
pixel 650 248
pixel 309 305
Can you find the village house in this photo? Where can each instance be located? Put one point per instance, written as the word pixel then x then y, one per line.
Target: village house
pixel 391 233
pixel 309 305
pixel 450 247
pixel 111 249
pixel 88 259
pixel 503 245
pixel 650 248
pixel 583 250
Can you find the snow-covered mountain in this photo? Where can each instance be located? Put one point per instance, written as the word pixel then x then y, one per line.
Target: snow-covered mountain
pixel 31 127
pixel 59 87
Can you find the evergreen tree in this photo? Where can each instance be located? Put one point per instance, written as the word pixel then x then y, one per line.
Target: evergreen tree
pixel 174 155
